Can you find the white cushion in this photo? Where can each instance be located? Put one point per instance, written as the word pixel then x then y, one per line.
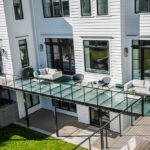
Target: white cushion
pixel 52 71
pixel 138 83
pixel 42 71
pixel 47 70
pixel 49 77
pixel 147 83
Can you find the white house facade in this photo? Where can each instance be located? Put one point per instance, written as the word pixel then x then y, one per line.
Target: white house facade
pixel 96 38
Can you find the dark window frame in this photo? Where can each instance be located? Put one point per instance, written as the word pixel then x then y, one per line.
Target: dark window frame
pixel 68 108
pixel 26 52
pixel 148 9
pixel 21 11
pixel 31 100
pixel 101 47
pixel 51 9
pixel 107 10
pixel 81 9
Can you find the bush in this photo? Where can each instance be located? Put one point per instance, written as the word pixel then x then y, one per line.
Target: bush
pixel 28 72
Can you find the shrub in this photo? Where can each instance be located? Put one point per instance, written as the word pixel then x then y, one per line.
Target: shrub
pixel 28 72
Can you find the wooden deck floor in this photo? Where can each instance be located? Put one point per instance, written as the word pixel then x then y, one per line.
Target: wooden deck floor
pixel 133 136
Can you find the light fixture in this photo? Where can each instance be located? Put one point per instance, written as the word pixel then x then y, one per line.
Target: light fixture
pixel 126 51
pixel 41 47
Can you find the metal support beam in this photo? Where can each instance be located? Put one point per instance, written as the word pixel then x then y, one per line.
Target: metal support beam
pixel 26 110
pixel 142 105
pixel 120 124
pixel 9 96
pixel 55 118
pixel 102 141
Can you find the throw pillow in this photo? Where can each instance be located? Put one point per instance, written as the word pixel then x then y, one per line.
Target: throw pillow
pixel 43 71
pixel 37 72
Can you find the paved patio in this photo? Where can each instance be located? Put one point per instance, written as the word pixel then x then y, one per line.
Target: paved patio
pixel 70 129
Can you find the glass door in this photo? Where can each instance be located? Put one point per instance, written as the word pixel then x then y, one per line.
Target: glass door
pixel 146 64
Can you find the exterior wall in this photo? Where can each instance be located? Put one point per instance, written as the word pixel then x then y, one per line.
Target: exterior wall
pixel 6 115
pixel 21 109
pixel 125 122
pixel 18 30
pixel 83 114
pixel 4 41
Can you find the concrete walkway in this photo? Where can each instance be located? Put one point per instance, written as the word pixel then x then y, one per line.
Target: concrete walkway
pixel 133 136
pixel 70 129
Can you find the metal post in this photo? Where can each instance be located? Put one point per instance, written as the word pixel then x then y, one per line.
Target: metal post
pixel 142 105
pixel 50 87
pixel 131 116
pixel 111 100
pixel 71 92
pixel 89 143
pixel 14 81
pixel 102 141
pixel 26 111
pixel 31 84
pixel 6 79
pixel 120 123
pixel 56 125
pixel 60 91
pixel 127 101
pixel 84 93
pixel 40 85
pixel 9 96
pixel 21 83
pixel 106 138
pixel 97 95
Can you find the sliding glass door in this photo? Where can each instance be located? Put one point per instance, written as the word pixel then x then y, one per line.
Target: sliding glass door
pixel 60 55
pixel 141 60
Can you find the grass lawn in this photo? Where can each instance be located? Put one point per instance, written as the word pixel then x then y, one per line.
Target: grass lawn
pixel 15 137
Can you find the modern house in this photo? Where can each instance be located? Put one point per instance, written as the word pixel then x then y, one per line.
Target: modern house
pixel 96 38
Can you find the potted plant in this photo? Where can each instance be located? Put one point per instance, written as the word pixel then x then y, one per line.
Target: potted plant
pixel 28 72
pixel 132 92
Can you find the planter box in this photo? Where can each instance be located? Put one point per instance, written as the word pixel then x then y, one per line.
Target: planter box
pixel 8 114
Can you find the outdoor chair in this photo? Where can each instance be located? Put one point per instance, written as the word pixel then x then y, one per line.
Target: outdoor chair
pixel 104 82
pixel 78 78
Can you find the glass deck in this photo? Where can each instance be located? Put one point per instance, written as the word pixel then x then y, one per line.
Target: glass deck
pixel 113 98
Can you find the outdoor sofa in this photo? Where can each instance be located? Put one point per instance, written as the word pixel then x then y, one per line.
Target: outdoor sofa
pixel 140 87
pixel 47 73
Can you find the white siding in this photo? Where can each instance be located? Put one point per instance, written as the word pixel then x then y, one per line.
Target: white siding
pixel 83 114
pixel 4 41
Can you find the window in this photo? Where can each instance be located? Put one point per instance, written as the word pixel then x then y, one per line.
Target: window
pixel 96 56
pixel 47 8
pixel 24 53
pixel 102 7
pixel 18 9
pixel 85 7
pixel 66 106
pixel 142 6
pixel 55 8
pixel 32 100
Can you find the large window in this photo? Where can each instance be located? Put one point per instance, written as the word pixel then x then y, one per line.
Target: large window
pixel 85 7
pixel 32 100
pixel 96 56
pixel 102 7
pixel 66 106
pixel 18 9
pixel 142 6
pixel 56 8
pixel 24 53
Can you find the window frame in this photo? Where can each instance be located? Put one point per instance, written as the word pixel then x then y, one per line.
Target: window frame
pixel 107 8
pixel 81 9
pixel 21 10
pixel 68 108
pixel 108 48
pixel 51 10
pixel 26 52
pixel 31 100
pixel 148 8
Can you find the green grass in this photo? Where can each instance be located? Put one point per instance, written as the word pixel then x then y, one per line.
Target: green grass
pixel 14 137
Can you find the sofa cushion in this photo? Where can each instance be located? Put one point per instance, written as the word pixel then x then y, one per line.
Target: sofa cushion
pixel 42 72
pixel 49 77
pixel 138 83
pixel 147 83
pixel 52 71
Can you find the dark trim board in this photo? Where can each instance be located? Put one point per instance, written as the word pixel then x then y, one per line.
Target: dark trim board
pixel 69 101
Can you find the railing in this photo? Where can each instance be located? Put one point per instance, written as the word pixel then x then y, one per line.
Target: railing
pixel 104 128
pixel 75 93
